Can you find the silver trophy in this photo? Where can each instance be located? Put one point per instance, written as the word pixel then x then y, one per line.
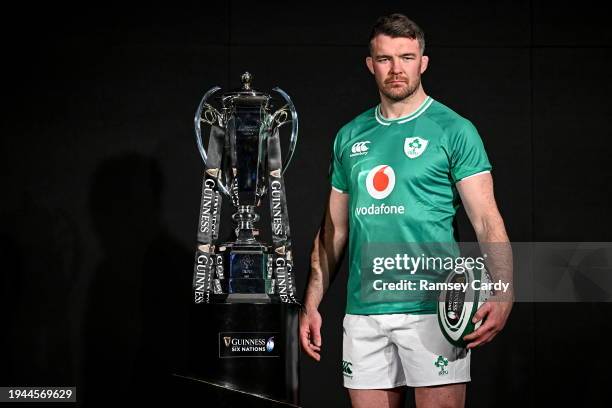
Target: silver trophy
pixel 243 162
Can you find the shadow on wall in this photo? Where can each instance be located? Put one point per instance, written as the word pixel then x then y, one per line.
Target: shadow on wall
pixel 137 303
pixel 40 254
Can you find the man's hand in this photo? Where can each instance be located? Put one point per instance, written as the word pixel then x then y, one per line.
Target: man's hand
pixel 310 332
pixel 495 313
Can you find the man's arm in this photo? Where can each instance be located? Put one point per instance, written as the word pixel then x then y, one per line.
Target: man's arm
pixel 327 251
pixel 479 202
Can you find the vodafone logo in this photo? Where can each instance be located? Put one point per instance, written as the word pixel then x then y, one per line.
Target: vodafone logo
pixel 379 184
pixel 380 181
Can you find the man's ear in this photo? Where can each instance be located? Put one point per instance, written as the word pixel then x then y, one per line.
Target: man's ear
pixel 370 64
pixel 424 63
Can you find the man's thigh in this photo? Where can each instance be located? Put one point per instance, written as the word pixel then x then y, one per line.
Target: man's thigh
pixel 440 396
pixel 428 359
pixel 369 358
pixel 389 398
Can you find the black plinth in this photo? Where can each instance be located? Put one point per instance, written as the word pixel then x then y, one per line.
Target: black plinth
pixel 249 347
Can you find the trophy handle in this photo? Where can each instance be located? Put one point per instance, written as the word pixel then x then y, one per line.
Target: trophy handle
pixel 294 124
pixel 212 117
pixel 209 117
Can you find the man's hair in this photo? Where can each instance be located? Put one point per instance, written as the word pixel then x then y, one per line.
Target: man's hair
pixel 397 25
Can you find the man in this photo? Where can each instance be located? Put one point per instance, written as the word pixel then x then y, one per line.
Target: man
pixel 397 174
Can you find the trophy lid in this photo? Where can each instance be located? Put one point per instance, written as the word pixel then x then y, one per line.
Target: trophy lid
pixel 245 95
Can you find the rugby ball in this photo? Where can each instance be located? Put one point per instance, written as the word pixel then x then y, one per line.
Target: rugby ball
pixel 457 307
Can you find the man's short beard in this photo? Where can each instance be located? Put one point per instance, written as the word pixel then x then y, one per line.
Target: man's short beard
pixel 405 92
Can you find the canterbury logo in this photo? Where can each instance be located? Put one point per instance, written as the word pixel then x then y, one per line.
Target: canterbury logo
pixel 359 148
pixel 346 368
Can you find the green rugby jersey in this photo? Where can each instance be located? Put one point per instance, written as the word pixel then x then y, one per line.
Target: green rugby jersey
pixel 400 175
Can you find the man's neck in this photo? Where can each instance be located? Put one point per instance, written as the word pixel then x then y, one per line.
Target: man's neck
pixel 396 109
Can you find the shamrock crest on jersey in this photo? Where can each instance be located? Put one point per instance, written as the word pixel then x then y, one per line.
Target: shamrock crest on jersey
pixel 415 146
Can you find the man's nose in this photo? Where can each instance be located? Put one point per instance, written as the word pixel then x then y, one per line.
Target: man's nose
pixel 396 66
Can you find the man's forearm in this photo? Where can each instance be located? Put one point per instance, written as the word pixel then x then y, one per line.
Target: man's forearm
pixel 495 244
pixel 327 252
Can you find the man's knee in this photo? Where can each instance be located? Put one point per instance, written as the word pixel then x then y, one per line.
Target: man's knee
pixel 387 398
pixel 441 396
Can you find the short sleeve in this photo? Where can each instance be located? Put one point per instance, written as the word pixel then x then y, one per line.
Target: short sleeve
pixel 468 155
pixel 337 175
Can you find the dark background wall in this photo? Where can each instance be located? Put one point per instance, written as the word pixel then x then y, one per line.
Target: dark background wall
pixel 101 177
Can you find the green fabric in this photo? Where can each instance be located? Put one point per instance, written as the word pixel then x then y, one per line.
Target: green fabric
pixel 442 148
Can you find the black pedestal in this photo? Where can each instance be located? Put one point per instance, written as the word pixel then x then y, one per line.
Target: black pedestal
pixel 248 347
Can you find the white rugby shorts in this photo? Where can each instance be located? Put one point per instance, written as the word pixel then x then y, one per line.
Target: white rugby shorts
pixel 391 350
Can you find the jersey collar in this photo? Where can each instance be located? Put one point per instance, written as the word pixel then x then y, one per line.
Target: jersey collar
pixel 386 122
